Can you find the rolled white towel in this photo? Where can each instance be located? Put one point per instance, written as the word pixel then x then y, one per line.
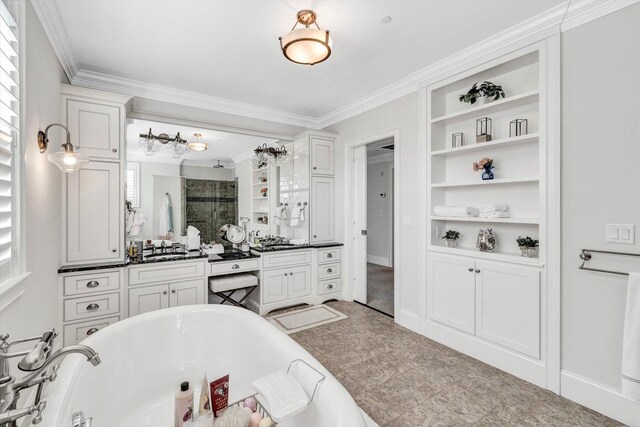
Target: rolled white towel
pixel 494 214
pixel 491 207
pixel 456 211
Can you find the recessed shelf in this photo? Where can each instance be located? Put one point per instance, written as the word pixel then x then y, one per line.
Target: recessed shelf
pixel 487 182
pixel 502 142
pixel 260 183
pixel 487 220
pixel 493 256
pixel 491 107
pixel 261 198
pixel 260 170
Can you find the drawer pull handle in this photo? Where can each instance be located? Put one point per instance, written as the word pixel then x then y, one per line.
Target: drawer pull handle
pixel 93 307
pixel 114 250
pixel 477 270
pixel 330 286
pixel 235 266
pixel 329 255
pixel 164 292
pixel 471 269
pixel 329 270
pixel 173 291
pixel 93 284
pixel 92 331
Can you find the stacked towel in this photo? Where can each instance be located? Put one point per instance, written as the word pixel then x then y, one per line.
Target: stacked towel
pixel 631 340
pixel 494 210
pixel 456 211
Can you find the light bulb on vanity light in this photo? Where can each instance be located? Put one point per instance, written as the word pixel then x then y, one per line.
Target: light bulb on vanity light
pixel 69 160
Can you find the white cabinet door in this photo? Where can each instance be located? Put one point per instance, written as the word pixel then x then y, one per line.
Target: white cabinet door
pixel 187 293
pixel 508 306
pixel 451 291
pixel 322 160
pixel 94 214
pixel 322 209
pixel 299 284
pixel 95 128
pixel 274 285
pixel 148 298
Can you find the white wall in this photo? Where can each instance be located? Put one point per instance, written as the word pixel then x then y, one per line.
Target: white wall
pixel 35 311
pixel 600 184
pixel 379 236
pixel 402 114
pixel 207 172
pixel 243 174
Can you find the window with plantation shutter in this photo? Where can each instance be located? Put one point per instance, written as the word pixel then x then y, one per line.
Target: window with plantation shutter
pixel 133 184
pixel 9 128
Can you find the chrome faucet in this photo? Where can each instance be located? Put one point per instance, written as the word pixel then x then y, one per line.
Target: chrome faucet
pixel 35 361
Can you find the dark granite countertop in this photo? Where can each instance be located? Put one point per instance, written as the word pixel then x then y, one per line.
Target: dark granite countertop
pixel 296 247
pixel 88 267
pixel 232 256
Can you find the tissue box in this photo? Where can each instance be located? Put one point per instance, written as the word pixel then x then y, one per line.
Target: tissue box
pixel 193 243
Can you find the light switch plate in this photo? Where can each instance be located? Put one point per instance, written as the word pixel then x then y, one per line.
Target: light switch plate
pixel 621 233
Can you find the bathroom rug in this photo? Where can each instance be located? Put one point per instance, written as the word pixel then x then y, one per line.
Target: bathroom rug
pixel 305 318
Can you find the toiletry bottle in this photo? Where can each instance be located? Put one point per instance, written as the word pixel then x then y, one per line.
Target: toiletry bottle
pixel 184 404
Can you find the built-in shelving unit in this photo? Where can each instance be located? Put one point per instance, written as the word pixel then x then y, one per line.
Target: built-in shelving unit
pixel 504 142
pixel 261 205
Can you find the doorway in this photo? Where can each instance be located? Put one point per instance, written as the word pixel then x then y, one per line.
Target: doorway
pixel 374 212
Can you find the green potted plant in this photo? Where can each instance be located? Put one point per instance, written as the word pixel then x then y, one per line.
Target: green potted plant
pixel 528 246
pixel 451 237
pixel 485 92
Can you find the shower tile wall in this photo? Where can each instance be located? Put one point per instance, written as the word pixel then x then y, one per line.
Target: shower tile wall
pixel 210 205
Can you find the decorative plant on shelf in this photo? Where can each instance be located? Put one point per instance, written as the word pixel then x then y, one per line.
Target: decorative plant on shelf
pixel 487 91
pixel 528 246
pixel 486 164
pixel 451 236
pixel 264 192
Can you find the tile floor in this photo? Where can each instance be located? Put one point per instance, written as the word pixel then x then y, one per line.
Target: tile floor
pixel 404 379
pixel 380 288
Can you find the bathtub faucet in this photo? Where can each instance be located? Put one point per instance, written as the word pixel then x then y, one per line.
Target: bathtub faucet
pixel 35 361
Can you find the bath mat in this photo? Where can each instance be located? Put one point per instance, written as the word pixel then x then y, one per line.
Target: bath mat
pixel 305 318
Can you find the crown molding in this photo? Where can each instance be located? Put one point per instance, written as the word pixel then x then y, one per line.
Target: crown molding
pixel 584 11
pixel 563 17
pixel 208 164
pixel 156 92
pixel 49 17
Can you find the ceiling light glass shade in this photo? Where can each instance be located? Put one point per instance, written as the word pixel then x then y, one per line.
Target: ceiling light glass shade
pixel 149 147
pixel 196 145
pixel 68 161
pixel 307 46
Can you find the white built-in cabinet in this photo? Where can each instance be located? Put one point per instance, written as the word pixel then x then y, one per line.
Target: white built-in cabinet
pixel 322 209
pixel 156 297
pixel 93 198
pixel 286 283
pixel 322 156
pixel 495 301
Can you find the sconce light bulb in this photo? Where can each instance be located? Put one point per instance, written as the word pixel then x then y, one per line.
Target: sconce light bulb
pixel 69 159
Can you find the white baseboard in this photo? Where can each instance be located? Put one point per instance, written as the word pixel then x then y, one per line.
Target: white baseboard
pixel 408 320
pixel 606 400
pixel 379 260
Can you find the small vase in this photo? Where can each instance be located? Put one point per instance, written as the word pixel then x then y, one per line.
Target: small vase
pixel 452 243
pixel 528 251
pixel 487 174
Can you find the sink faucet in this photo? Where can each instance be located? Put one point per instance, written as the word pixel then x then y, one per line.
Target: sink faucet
pixel 35 361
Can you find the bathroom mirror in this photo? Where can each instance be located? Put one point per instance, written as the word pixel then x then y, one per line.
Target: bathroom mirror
pixel 204 189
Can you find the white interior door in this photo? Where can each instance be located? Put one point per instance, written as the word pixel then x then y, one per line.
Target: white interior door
pixel 360 224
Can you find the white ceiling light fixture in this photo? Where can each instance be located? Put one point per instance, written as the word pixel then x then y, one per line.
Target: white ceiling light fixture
pixel 307 46
pixel 196 145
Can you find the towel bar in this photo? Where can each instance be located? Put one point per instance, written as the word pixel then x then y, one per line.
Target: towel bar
pixel 585 255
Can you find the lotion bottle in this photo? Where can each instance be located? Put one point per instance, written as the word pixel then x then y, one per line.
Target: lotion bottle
pixel 184 404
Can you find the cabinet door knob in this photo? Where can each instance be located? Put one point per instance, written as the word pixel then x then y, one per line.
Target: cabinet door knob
pixel 173 291
pixel 92 331
pixel 285 274
pixel 114 250
pixel 314 236
pixel 471 269
pixel 330 286
pixel 235 266
pixel 93 284
pixel 314 168
pixel 329 270
pixel 115 150
pixel 329 255
pixel 477 270
pixel 164 292
pixel 93 307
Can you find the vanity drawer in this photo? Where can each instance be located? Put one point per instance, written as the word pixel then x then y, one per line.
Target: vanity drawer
pixel 165 272
pixel 91 306
pixel 218 268
pixel 329 286
pixel 286 258
pixel 328 255
pixel 89 283
pixel 326 271
pixel 76 332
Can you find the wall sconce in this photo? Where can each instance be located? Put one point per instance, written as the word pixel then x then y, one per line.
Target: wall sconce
pixel 68 160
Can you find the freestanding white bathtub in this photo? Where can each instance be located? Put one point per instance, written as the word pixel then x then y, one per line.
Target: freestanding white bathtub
pixel 144 359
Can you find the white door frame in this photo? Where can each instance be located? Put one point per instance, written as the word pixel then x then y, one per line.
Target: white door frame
pixel 349 247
